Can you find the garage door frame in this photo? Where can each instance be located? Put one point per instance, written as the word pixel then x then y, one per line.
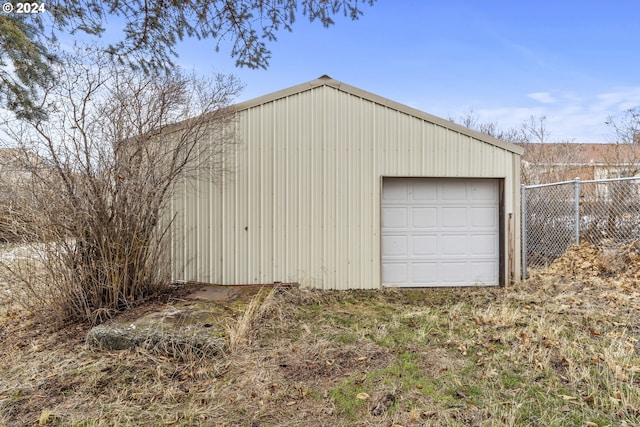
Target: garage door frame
pixel 501 223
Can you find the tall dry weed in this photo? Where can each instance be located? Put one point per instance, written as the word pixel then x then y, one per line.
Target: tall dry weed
pixel 241 331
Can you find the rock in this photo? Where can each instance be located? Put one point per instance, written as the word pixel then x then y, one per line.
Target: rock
pixel 179 343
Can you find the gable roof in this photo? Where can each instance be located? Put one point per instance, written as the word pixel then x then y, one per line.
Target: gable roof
pixel 352 90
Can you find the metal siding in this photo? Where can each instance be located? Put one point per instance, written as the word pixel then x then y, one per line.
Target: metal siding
pixel 275 246
pixel 312 266
pixel 214 273
pixel 176 216
pixel 302 203
pixel 200 218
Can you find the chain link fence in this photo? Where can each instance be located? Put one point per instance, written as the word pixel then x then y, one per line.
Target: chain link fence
pixel 555 216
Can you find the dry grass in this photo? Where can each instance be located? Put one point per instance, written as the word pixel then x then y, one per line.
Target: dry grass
pixel 558 349
pixel 240 331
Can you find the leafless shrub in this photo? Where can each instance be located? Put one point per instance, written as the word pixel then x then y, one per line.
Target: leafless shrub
pixel 103 169
pixel 626 126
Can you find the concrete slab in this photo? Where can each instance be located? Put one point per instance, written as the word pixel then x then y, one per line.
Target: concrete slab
pixel 215 293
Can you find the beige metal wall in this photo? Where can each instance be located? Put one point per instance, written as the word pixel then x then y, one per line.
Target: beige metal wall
pixel 302 203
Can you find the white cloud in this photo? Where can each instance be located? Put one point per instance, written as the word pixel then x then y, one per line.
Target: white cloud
pixel 619 99
pixel 571 116
pixel 544 97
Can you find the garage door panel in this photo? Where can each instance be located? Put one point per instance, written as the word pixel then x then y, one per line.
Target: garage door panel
pixel 395 190
pixel 453 272
pixel 453 244
pixel 454 217
pixel 424 245
pixel 454 190
pixel 395 273
pixel 483 244
pixel 395 245
pixel 484 271
pixel 481 191
pixel 440 232
pixel 424 273
pixel 424 217
pixel 424 193
pixel 483 217
pixel 396 217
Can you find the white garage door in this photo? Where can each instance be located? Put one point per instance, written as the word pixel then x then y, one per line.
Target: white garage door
pixel 440 232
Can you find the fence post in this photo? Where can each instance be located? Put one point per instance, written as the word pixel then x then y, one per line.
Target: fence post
pixel 577 210
pixel 523 231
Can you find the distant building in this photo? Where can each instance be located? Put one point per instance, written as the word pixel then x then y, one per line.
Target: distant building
pixel 553 162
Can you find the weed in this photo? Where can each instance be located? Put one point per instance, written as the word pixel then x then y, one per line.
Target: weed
pixel 239 330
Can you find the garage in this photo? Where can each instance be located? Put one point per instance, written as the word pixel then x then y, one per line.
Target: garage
pixel 440 232
pixel 332 187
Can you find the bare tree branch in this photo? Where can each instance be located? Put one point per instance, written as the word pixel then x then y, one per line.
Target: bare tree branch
pixel 108 160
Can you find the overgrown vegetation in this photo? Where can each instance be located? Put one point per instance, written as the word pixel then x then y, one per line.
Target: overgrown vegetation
pixel 100 174
pixel 558 349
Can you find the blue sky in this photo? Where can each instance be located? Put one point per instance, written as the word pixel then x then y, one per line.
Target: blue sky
pixel 574 61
